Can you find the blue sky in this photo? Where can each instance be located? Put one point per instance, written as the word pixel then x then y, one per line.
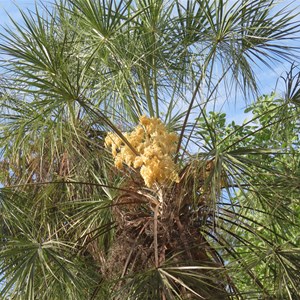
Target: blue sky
pixel 10 7
pixel 267 78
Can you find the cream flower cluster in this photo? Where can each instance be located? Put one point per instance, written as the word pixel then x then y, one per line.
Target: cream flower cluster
pixel 155 147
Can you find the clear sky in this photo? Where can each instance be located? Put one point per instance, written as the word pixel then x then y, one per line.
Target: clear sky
pixel 10 6
pixel 267 78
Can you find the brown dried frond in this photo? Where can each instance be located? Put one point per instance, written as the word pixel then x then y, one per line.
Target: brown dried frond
pixel 146 239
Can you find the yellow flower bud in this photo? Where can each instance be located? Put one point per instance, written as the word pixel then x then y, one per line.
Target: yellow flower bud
pixel 155 146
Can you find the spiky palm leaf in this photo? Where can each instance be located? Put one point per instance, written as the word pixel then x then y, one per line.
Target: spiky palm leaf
pixel 76 227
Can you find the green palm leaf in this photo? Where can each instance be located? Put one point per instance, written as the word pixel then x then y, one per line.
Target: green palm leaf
pixel 78 224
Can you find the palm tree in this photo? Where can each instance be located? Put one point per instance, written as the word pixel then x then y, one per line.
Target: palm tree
pixel 121 177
